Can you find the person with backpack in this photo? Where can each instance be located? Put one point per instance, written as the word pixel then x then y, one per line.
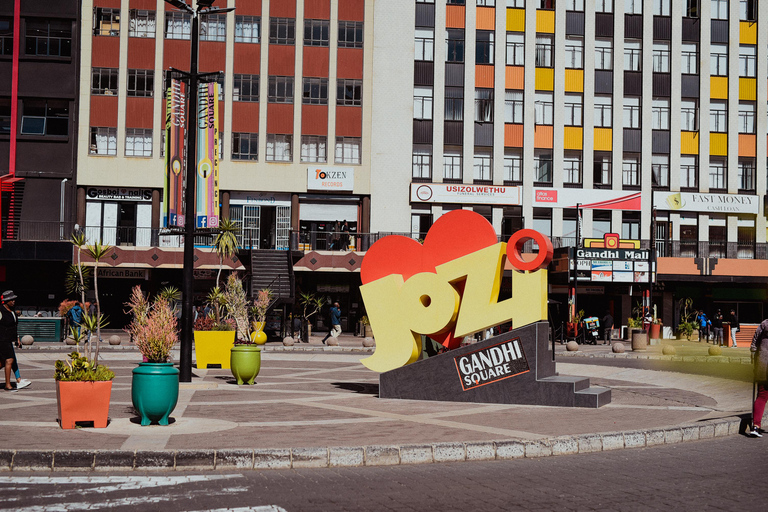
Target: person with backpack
pixel 75 315
pixel 335 313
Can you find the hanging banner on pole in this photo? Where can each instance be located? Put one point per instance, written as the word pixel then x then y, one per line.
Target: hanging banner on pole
pixel 207 214
pixel 175 121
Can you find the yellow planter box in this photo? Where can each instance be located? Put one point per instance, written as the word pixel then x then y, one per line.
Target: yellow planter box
pixel 213 347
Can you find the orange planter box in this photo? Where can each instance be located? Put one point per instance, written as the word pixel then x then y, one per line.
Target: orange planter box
pixel 83 401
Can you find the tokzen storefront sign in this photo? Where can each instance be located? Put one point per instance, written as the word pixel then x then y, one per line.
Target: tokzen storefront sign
pixel 491 364
pixel 119 194
pixel 331 178
pixel 706 203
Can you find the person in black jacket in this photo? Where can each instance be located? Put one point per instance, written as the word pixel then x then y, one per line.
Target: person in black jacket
pixel 717 328
pixel 607 322
pixel 734 327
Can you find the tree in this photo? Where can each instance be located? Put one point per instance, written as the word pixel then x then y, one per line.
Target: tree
pixel 97 251
pixel 81 274
pixel 225 243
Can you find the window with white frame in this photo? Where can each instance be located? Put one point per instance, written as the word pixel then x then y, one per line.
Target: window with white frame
pixel 545 4
pixel 630 170
pixel 718 116
pixel 425 44
pixel 572 167
pixel 688 115
pixel 213 27
pixel 603 54
pixel 518 4
pixel 603 5
pixel 748 10
pixel 245 146
pixel 103 141
pixel 454 104
pixel 574 53
pixel 718 9
pixel 142 23
pixel 691 8
pixel 484 47
pixel 486 3
pixel 138 142
pixel 574 5
pixel 747 60
pixel 633 55
pixel 746 117
pixel 422 103
pixel 314 148
pixel 633 6
pixel 543 108
pixel 515 49
pixel 483 105
pixel 422 161
pixel 661 7
pixel 348 150
pixel 717 175
pixel 660 170
pixel 542 166
pixel 747 174
pixel 513 165
pixel 483 164
pixel 689 58
pixel 660 113
pixel 689 172
pixel 178 25
pixel 574 108
pixel 630 225
pixel 661 56
pixel 247 29
pixel 452 163
pixel 513 107
pixel 631 112
pixel 718 60
pixel 602 168
pixel 279 147
pixel 544 50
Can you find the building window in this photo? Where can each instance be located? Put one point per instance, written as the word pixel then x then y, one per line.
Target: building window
pixel 544 51
pixel 454 103
pixel 178 25
pixel 422 103
pixel 314 148
pixel 747 174
pixel 542 166
pixel 630 170
pixel 660 114
pixel 247 29
pixel 631 112
pixel 691 8
pixel 746 117
pixel 513 107
pixel 220 80
pixel 719 9
pixel 748 10
pixel 315 91
pixel 48 37
pixel 689 117
pixel 545 4
pixel 574 106
pixel 689 172
pixel 543 108
pixel 519 4
pixel 661 7
pixel 452 164
pixel 106 22
pixel 280 89
pixel 6 36
pixel 246 88
pixel 660 57
pixel 515 49
pixel 574 5
pixel 630 225
pixel 245 146
pixel 348 150
pixel 349 92
pixel 633 55
pixel 689 58
pixel 141 82
pixel 425 44
pixel 635 7
pixel 718 60
pixel 5 115
pixel 602 170
pixel 603 5
pixel 486 3
pixel 747 61
pixel 603 54
pixel 422 162
pixel 454 45
pixel 717 176
pixel 282 31
pixel 572 168
pixel 279 148
pixel 104 81
pixel 513 165
pixel 213 27
pixel 103 141
pixel 660 170
pixel 718 116
pixel 483 165
pixel 138 142
pixel 603 111
pixel 484 47
pixel 350 34
pixel 484 105
pixel 574 53
pixel 317 32
pixel 45 117
pixel 142 23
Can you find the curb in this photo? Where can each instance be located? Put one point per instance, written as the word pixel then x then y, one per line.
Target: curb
pixel 659 357
pixel 60 347
pixel 375 455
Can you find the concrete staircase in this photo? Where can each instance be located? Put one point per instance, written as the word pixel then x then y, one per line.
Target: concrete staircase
pixel 274 270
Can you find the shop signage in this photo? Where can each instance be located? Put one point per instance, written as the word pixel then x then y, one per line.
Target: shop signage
pixel 596 199
pixel 175 161
pixel 119 194
pixel 617 254
pixel 464 194
pixel 260 198
pixel 207 194
pixel 204 273
pixel 491 364
pixel 124 273
pixel 330 178
pixel 705 203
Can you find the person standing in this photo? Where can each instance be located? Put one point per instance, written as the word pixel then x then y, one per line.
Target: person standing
pixel 607 327
pixel 344 238
pixel 703 325
pixel 9 335
pixel 717 328
pixel 734 327
pixel 75 314
pixel 335 322
pixel 759 350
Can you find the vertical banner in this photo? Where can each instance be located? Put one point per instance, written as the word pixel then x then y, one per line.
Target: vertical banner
pixel 207 214
pixel 175 119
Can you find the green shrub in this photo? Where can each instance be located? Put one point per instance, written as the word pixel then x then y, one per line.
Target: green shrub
pixel 81 369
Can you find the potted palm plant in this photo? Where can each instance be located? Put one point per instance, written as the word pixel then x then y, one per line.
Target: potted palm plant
pixel 311 304
pixel 214 333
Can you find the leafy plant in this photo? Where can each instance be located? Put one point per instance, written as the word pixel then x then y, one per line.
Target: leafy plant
pixel 97 251
pixel 236 304
pixel 225 242
pixel 65 306
pixel 577 317
pixel 80 368
pixel 634 323
pixel 364 320
pixel 261 304
pixel 686 328
pixel 153 327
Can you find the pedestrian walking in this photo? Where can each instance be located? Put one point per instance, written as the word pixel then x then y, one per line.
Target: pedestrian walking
pixel 344 237
pixel 759 350
pixel 607 327
pixel 703 325
pixel 335 330
pixel 734 327
pixel 75 315
pixel 9 335
pixel 717 328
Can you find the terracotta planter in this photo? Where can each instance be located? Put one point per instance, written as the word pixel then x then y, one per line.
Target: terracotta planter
pixel 655 332
pixel 367 331
pixel 571 329
pixel 213 347
pixel 83 401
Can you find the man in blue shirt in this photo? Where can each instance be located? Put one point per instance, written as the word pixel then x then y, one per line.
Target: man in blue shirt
pixel 335 322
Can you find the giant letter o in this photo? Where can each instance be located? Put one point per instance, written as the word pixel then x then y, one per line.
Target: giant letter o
pixel 515 245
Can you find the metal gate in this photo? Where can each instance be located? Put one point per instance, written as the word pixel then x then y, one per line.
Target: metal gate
pixel 283 231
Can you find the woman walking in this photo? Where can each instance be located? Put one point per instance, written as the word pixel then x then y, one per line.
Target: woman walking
pixel 759 349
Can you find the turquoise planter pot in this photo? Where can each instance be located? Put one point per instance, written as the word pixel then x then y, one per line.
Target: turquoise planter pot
pixel 155 391
pixel 245 363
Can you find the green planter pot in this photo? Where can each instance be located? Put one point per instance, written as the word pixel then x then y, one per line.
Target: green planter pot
pixel 155 391
pixel 245 363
